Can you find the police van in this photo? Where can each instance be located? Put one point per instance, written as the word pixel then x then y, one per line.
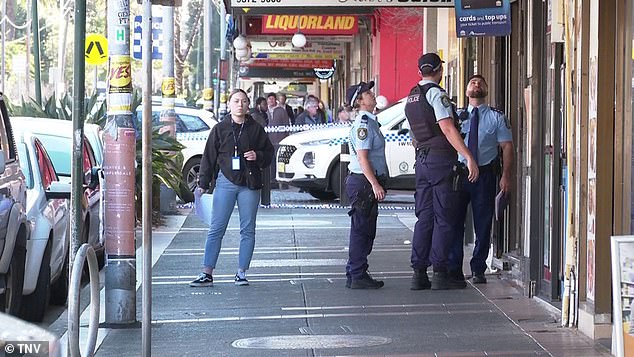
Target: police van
pixel 310 159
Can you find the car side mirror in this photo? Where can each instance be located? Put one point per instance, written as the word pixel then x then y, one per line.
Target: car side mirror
pixel 3 163
pixel 94 178
pixel 58 190
pixel 403 131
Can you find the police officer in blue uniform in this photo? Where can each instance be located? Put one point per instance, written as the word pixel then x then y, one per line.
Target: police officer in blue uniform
pixel 486 130
pixel 364 184
pixel 432 120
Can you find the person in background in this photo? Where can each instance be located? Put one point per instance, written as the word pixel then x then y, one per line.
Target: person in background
pixel 259 111
pixel 277 118
pixel 320 113
pixel 327 114
pixel 310 116
pixel 344 114
pixel 289 110
pixel 236 147
pixel 486 132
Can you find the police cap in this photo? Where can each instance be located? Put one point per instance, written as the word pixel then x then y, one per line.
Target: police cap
pixel 429 63
pixel 354 91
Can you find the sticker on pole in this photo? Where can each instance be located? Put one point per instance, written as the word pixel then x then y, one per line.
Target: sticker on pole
pixel 96 49
pixel 120 77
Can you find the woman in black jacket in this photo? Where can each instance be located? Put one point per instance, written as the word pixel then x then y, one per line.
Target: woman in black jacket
pixel 236 152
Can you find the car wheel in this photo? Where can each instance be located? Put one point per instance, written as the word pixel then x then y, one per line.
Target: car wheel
pixel 11 299
pixel 59 289
pixel 190 177
pixel 34 305
pixel 335 180
pixel 322 195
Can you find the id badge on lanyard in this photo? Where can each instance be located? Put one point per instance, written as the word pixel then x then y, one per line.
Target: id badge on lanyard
pixel 235 160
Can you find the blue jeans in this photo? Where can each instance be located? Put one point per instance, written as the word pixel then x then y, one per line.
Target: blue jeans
pixel 224 199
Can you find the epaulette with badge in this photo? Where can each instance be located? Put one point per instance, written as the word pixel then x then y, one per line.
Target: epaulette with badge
pixel 500 113
pixel 362 133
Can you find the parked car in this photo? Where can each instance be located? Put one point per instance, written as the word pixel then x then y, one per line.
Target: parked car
pixel 47 208
pixel 310 159
pixel 192 130
pixel 14 330
pixel 14 230
pixel 56 135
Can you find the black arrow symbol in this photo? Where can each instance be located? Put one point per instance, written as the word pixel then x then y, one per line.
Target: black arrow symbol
pixel 101 53
pixel 89 49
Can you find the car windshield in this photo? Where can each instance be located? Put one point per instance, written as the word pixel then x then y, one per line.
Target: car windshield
pixel 59 150
pixel 192 123
pixel 25 164
pixel 388 114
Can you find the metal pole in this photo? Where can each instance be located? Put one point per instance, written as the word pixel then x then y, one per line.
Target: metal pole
pixel 4 34
pixel 35 25
pixel 27 66
pixel 119 170
pixel 344 160
pixel 168 89
pixel 77 171
pixel 208 48
pixel 146 180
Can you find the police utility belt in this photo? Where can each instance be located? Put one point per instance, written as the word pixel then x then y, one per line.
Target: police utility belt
pixel 381 178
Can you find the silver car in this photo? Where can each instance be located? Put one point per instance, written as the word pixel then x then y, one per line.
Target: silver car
pixel 47 207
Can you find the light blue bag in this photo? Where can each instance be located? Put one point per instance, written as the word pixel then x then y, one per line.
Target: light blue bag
pixel 202 205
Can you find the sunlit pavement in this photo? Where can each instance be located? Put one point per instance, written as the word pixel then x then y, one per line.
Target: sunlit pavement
pixel 297 303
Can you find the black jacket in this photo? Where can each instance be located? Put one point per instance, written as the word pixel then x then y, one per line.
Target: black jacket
pixel 220 147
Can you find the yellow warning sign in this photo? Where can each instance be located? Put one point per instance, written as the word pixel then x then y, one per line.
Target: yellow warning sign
pixel 96 49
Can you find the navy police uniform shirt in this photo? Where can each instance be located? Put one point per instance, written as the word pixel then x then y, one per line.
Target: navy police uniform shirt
pixel 493 128
pixel 366 135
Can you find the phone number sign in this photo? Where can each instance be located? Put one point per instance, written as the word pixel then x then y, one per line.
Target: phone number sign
pixel 339 3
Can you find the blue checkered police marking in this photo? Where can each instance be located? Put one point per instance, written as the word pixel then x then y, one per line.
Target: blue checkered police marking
pixel 297 128
pixel 315 206
pixel 192 136
pixel 403 138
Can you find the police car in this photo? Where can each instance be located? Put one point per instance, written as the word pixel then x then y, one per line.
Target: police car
pixel 310 159
pixel 192 129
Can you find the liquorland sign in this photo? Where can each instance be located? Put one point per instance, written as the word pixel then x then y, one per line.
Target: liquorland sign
pixel 310 24
pixel 339 3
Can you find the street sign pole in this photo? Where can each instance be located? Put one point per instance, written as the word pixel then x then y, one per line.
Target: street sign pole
pixel 207 28
pixel 146 180
pixel 77 172
pixel 119 170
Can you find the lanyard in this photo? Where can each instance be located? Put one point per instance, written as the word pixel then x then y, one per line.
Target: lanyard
pixel 236 139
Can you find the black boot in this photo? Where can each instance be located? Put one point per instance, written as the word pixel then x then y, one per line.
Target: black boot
pixel 440 280
pixel 420 280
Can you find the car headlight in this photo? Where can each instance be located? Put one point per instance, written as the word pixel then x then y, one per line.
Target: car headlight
pixel 317 142
pixel 309 160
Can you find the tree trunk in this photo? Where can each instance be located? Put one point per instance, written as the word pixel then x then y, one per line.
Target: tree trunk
pixel 181 55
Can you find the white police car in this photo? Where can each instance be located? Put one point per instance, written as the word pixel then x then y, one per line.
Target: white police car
pixel 310 159
pixel 192 130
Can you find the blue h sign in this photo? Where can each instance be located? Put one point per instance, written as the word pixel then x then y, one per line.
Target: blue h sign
pixel 157 38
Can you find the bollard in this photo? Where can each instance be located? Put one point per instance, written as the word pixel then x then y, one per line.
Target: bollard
pixel 344 159
pixel 265 195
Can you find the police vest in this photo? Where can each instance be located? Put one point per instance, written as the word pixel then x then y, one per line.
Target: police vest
pixel 422 119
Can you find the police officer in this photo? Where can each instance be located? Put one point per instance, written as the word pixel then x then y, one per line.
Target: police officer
pixel 364 184
pixel 433 123
pixel 486 131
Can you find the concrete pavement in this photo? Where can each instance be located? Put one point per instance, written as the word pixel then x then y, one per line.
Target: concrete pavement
pixel 297 304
